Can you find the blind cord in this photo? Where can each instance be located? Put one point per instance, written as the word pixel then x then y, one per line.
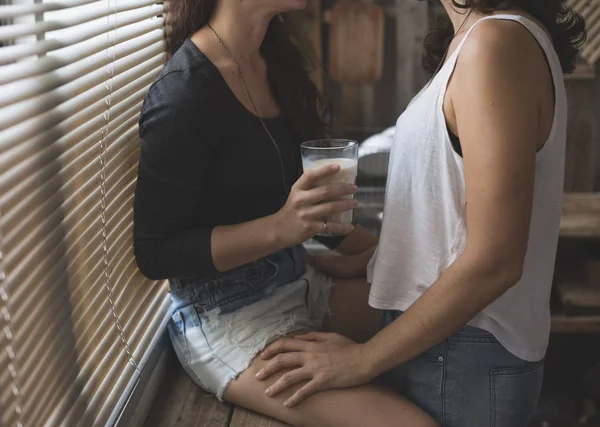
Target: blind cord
pixel 110 67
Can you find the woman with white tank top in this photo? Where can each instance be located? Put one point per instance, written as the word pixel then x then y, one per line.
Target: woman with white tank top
pixel 465 261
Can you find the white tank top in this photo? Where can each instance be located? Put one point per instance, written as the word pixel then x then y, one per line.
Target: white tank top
pixel 424 228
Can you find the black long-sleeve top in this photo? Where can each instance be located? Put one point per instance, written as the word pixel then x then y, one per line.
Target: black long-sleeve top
pixel 205 161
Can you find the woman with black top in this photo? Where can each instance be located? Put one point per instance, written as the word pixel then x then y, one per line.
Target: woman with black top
pixel 220 210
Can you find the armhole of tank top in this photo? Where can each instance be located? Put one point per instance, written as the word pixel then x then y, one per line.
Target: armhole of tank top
pixel 544 42
pixel 540 39
pixel 452 60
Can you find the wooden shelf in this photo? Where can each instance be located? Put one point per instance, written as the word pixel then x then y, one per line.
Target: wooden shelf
pixel 580 215
pixel 573 294
pixel 575 324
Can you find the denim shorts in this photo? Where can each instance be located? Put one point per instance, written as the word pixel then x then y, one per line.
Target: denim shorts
pixel 218 325
pixel 470 380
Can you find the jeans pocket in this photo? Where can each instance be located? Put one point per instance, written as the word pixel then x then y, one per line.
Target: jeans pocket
pixel 514 394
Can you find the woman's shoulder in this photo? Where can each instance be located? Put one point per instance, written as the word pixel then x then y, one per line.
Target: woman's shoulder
pixel 185 79
pixel 501 50
pixel 499 40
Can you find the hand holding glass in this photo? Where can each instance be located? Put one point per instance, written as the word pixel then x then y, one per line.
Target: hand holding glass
pixel 342 152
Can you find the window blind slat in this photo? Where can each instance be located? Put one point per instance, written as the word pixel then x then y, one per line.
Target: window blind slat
pixel 21 194
pixel 91 85
pixel 15 31
pixel 115 382
pixel 117 245
pixel 72 64
pixel 28 245
pixel 10 54
pixel 159 326
pixel 84 73
pixel 42 321
pixel 73 114
pixel 24 236
pixel 102 368
pixel 16 10
pixel 30 176
pixel 90 352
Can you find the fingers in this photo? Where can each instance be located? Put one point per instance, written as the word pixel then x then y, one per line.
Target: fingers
pixel 314 336
pixel 286 381
pixel 325 209
pixel 310 177
pixel 339 229
pixel 327 192
pixel 284 345
pixel 279 362
pixel 303 393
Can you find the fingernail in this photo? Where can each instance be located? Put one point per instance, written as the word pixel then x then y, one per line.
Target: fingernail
pixel 268 391
pixel 286 404
pixel 258 374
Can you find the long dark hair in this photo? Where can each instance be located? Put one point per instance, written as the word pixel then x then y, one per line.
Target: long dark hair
pixel 566 27
pixel 288 67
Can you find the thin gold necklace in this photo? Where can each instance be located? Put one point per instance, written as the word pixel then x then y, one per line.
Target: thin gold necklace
pixel 243 79
pixel 441 64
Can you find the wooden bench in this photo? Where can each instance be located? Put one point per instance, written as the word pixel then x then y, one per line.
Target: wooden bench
pixel 181 403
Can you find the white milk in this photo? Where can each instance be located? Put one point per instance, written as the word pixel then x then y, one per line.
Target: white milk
pixel 347 174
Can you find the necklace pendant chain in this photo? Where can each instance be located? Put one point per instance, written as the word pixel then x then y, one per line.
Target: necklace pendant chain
pixel 442 61
pixel 247 90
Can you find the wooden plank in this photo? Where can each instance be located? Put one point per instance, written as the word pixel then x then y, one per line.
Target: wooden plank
pixel 592 274
pixel 574 294
pixel 580 215
pixel 575 324
pixel 181 403
pixel 203 410
pixel 580 155
pixel 245 418
pixel 356 43
pixel 170 399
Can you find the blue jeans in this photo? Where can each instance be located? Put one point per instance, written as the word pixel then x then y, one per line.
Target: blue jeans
pixel 470 380
pixel 242 286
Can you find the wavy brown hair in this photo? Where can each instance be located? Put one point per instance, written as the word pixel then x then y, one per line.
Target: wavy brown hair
pixel 288 66
pixel 566 27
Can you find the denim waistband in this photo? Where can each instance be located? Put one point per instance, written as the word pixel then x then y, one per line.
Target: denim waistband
pixel 231 290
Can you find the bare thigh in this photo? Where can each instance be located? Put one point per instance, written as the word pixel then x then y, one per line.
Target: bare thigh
pixel 354 407
pixel 351 314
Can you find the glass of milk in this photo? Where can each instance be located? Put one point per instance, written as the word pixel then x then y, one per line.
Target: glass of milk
pixel 342 152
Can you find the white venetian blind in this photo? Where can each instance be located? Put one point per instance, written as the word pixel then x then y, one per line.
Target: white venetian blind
pixel 76 317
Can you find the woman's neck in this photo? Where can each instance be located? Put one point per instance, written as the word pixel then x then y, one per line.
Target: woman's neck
pixel 241 29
